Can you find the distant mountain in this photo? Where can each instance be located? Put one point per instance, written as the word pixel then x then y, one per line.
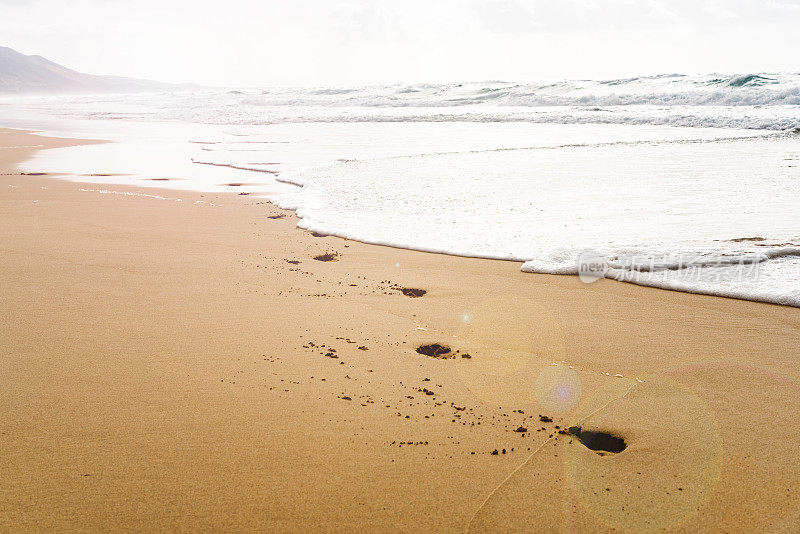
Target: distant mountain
pixel 34 74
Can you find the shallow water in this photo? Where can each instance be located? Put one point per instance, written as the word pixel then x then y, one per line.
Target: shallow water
pixel 537 174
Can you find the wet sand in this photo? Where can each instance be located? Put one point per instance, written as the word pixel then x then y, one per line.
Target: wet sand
pixel 189 365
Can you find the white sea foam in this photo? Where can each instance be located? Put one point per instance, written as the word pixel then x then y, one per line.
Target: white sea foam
pixel 751 101
pixel 655 169
pixel 733 199
pixel 775 280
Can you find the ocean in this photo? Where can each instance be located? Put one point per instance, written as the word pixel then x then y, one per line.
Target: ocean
pixel 688 183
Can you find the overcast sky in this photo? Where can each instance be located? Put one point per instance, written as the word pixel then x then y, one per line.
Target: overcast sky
pixel 332 42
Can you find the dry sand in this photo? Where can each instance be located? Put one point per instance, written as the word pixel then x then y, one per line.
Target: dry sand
pixel 188 365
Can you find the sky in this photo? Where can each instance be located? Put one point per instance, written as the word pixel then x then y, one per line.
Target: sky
pixel 356 42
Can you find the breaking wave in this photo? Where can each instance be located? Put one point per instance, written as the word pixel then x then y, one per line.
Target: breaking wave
pixel 742 101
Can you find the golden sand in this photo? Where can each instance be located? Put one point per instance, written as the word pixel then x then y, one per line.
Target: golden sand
pixel 188 365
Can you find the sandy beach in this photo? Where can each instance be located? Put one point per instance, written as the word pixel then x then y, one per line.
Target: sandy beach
pixel 181 361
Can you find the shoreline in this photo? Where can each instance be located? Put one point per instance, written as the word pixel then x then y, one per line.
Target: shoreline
pixel 676 272
pixel 160 357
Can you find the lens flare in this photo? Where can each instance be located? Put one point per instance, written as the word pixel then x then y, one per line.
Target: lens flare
pixel 658 418
pixel 510 351
pixel 558 388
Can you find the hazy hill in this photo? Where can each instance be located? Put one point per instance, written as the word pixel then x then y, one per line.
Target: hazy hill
pixel 34 74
